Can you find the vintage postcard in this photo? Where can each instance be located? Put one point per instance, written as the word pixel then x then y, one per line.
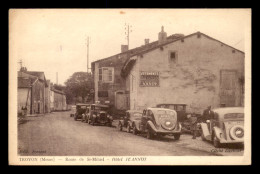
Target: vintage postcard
pixel 129 87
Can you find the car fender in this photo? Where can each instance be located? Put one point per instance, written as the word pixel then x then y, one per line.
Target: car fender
pixel 151 125
pixel 217 132
pixel 205 131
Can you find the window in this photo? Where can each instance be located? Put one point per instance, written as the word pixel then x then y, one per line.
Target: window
pixel 106 74
pixel 102 93
pixel 173 57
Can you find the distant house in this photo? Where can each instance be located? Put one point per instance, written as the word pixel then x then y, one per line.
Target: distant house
pixel 59 100
pixel 31 91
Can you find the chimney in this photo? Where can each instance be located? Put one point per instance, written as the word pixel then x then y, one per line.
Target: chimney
pixel 124 48
pixel 162 36
pixel 146 41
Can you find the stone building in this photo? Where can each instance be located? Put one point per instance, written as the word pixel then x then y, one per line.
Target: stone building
pixel 196 70
pixel 109 86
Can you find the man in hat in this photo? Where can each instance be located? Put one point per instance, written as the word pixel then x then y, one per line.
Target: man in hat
pixel 208 114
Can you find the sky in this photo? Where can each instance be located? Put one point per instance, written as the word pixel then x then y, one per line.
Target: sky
pixel 54 40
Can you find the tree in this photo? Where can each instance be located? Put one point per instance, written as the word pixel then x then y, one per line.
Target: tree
pixel 78 85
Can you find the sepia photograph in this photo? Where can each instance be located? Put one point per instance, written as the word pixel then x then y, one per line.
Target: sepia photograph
pixel 129 86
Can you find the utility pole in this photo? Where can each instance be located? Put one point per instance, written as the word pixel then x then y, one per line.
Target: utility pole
pixel 128 30
pixel 88 42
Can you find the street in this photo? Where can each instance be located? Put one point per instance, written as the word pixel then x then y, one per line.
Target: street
pixel 57 134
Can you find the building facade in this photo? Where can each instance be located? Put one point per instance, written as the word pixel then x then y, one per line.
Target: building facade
pixel 109 85
pixel 196 70
pixel 59 102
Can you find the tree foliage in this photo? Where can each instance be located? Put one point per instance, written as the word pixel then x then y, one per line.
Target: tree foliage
pixel 78 85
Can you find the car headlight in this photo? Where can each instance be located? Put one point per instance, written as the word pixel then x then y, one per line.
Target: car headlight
pixel 94 116
pixel 208 121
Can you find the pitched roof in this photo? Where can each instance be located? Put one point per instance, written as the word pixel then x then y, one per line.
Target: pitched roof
pixel 125 69
pixel 38 74
pixel 143 47
pixel 57 91
pixel 24 82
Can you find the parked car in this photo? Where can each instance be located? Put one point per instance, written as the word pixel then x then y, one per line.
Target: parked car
pixel 158 121
pixel 179 108
pixel 128 120
pixel 98 114
pixel 73 111
pixel 80 109
pixel 227 126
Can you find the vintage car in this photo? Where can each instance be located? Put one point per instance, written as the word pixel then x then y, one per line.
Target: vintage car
pixel 128 119
pixel 80 109
pixel 73 111
pixel 157 122
pixel 227 126
pixel 98 114
pixel 179 108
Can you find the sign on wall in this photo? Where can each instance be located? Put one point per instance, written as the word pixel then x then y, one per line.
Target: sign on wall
pixel 149 79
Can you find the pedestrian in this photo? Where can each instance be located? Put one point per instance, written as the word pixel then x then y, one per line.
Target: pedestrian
pixel 207 114
pixel 193 124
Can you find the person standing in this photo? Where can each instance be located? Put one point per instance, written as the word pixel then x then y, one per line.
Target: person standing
pixel 193 124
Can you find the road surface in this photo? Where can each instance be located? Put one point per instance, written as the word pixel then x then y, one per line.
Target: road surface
pixel 57 134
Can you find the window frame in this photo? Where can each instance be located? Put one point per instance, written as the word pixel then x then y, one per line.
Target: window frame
pixel 101 76
pixel 170 59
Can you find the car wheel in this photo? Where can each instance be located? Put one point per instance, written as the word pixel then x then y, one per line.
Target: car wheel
pixel 134 130
pixel 119 127
pixel 89 121
pixel 128 129
pixel 216 142
pixel 177 136
pixel 149 134
pixel 75 118
pixel 202 137
pixel 92 123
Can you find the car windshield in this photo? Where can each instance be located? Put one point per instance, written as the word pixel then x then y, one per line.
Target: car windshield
pixel 165 114
pixel 233 115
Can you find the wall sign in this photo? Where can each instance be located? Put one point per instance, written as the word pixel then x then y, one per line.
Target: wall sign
pixel 149 79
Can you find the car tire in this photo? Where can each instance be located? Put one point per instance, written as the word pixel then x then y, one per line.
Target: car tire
pixel 128 128
pixel 149 134
pixel 89 121
pixel 134 130
pixel 92 123
pixel 216 142
pixel 177 136
pixel 75 118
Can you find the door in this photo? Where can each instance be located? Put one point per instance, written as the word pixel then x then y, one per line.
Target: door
pixel 228 83
pixel 121 101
